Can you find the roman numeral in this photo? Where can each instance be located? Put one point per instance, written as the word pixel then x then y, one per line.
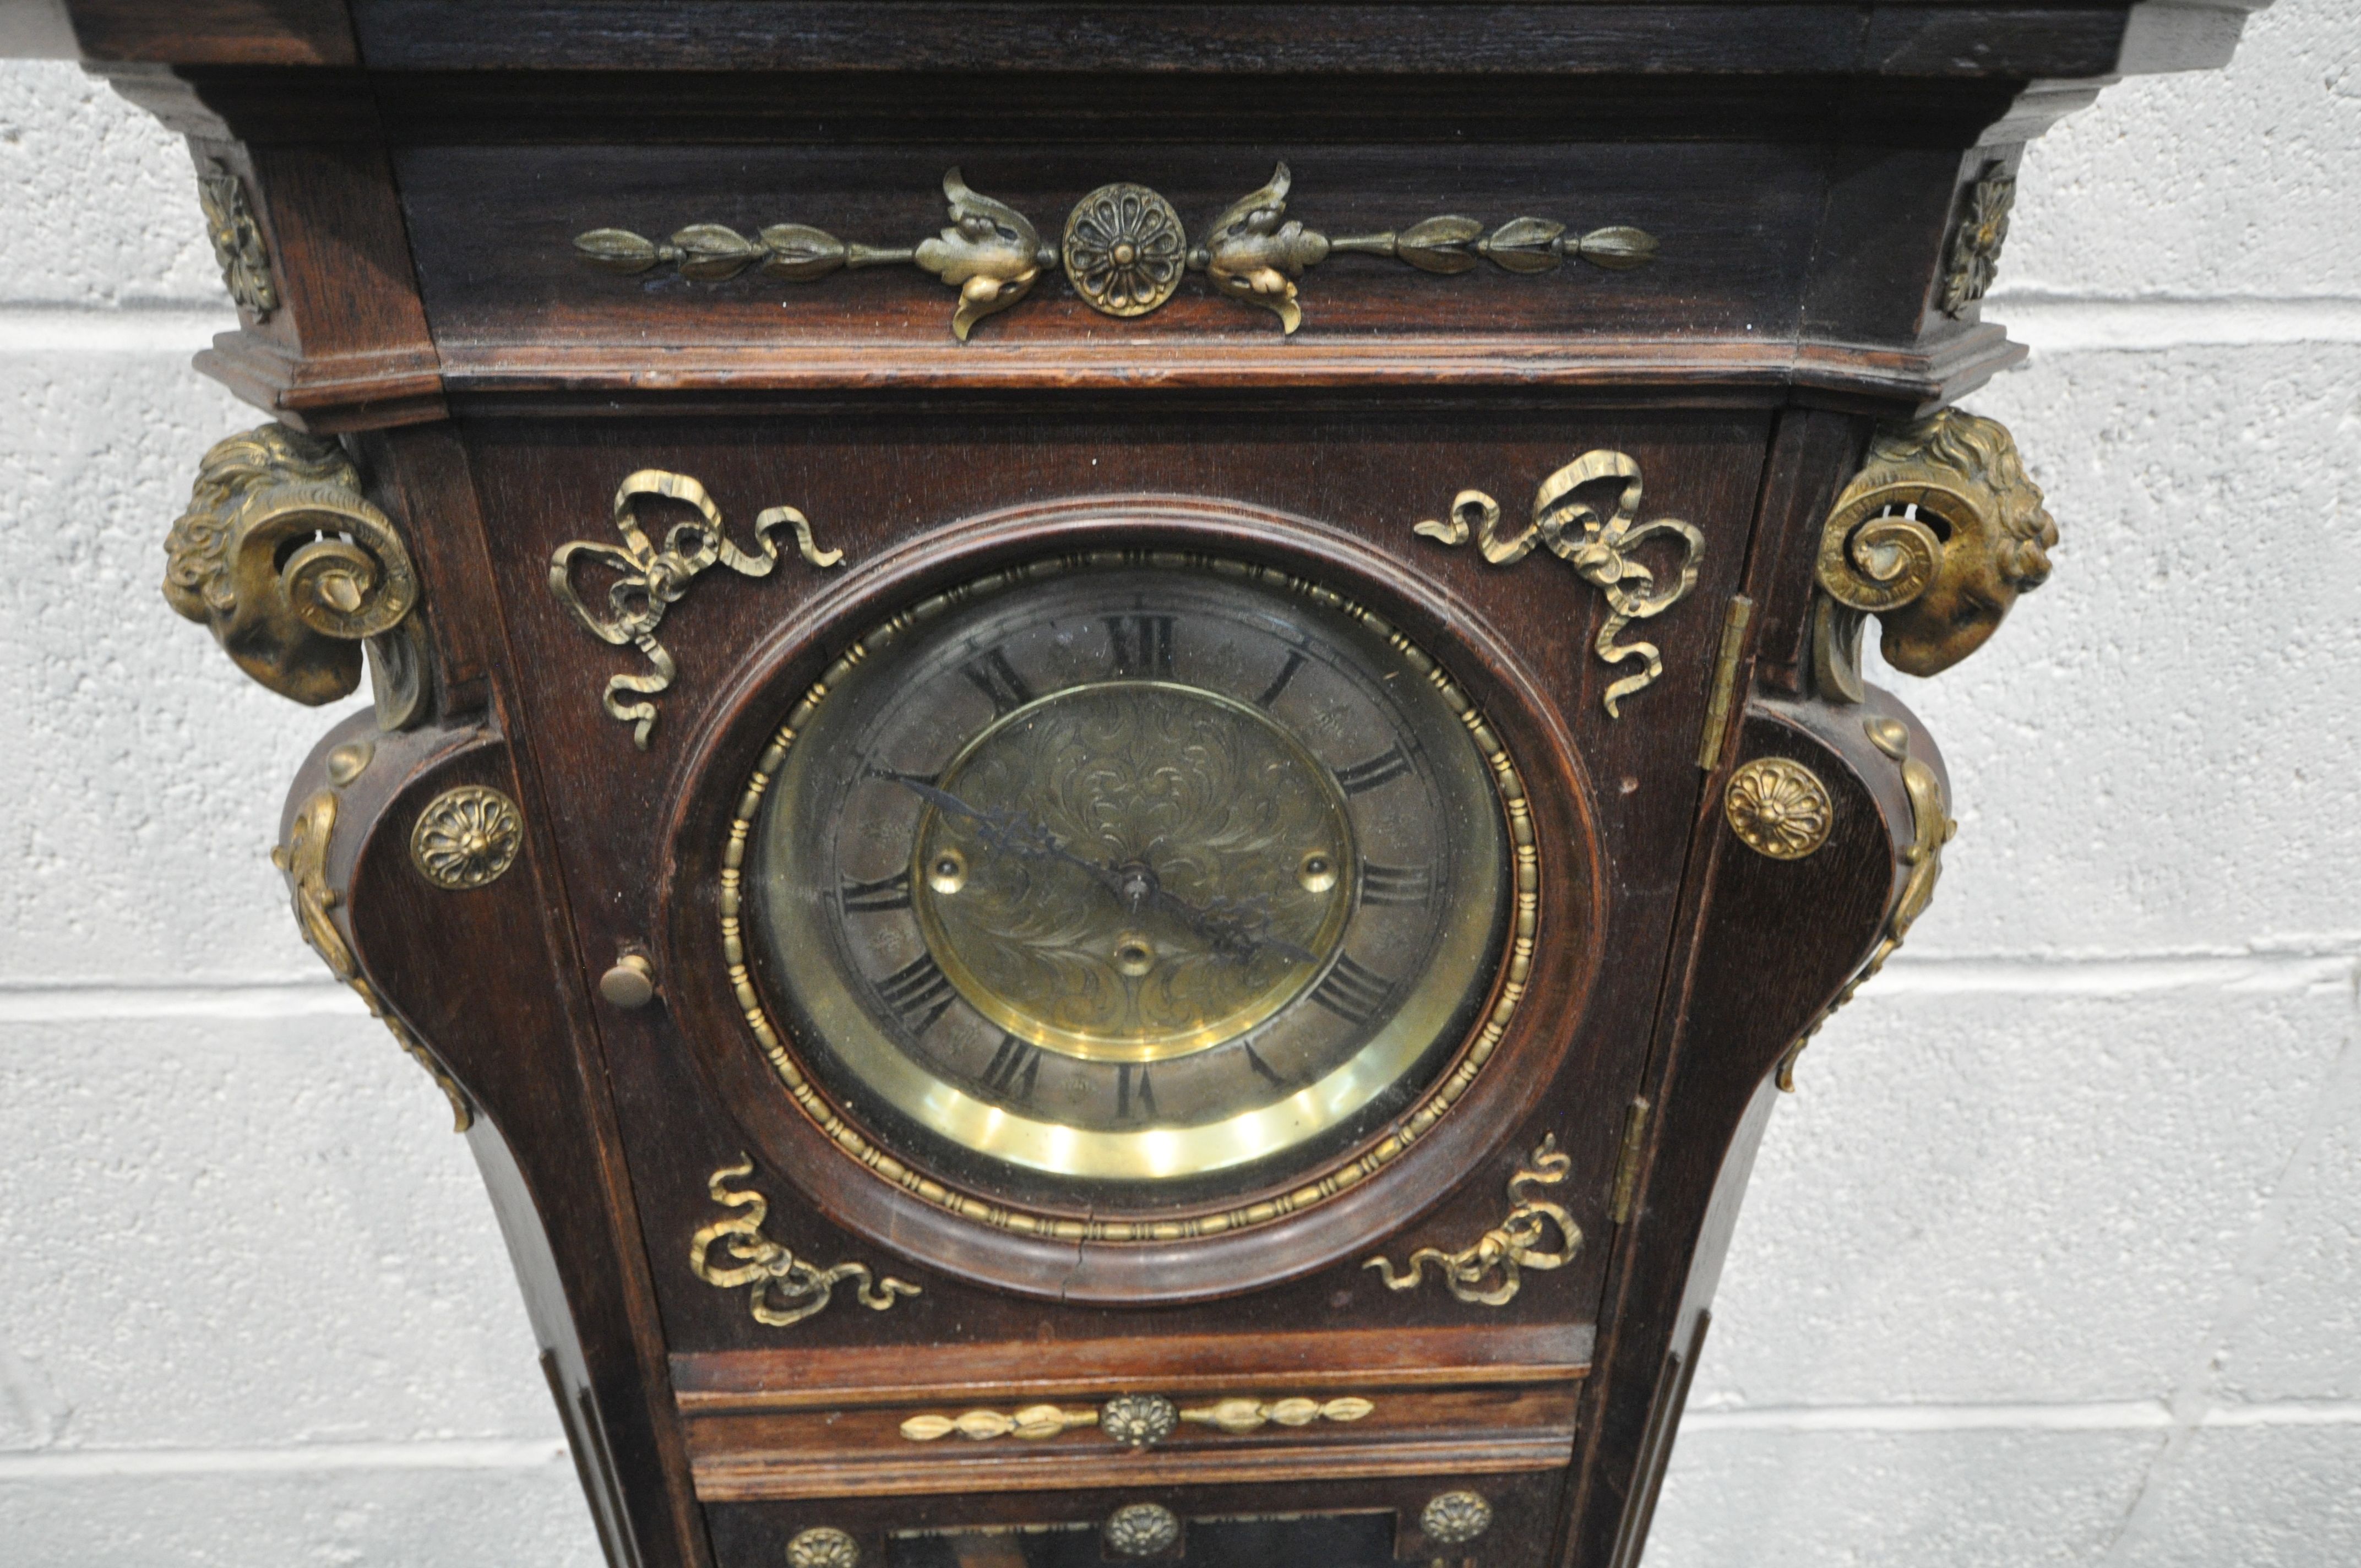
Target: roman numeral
pixel 994 677
pixel 869 897
pixel 1352 992
pixel 1396 884
pixel 1382 768
pixel 1143 646
pixel 1262 1069
pixel 1013 1068
pixel 1279 682
pixel 1134 1097
pixel 918 992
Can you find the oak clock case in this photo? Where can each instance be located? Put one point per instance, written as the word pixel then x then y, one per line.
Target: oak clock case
pixel 1113 770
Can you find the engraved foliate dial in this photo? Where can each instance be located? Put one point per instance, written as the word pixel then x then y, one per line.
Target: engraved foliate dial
pixel 1117 882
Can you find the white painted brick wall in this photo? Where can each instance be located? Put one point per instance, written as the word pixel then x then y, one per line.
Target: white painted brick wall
pixel 2056 1258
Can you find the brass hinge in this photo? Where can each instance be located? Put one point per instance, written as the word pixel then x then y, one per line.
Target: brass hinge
pixel 1627 1164
pixel 1734 619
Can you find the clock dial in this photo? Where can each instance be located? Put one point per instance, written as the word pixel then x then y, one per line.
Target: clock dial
pixel 1114 883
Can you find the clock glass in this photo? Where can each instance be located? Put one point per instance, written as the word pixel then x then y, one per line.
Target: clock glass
pixel 1124 881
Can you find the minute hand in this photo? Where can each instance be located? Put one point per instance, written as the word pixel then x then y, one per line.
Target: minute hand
pixel 1015 833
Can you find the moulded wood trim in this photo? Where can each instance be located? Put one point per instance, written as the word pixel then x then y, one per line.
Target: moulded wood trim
pixel 761 1476
pixel 216 32
pixel 1875 372
pixel 1574 39
pixel 368 390
pixel 793 1379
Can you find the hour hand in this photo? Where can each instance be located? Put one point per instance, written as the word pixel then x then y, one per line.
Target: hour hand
pixel 1235 932
pixel 1008 832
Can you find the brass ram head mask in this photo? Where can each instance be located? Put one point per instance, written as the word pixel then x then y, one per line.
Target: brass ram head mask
pixel 290 568
pixel 1936 536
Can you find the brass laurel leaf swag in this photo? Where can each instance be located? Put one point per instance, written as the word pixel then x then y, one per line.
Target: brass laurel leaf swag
pixel 1123 249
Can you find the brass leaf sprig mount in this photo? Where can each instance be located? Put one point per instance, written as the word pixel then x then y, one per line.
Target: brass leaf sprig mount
pixel 1137 1420
pixel 1123 249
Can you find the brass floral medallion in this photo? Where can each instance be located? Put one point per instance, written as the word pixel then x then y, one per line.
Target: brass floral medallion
pixel 466 838
pixel 1454 1518
pixel 1974 260
pixel 1125 249
pixel 1138 1419
pixel 1142 1530
pixel 823 1546
pixel 238 249
pixel 1778 808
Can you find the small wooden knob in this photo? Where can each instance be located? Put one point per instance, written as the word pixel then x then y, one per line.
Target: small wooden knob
pixel 631 984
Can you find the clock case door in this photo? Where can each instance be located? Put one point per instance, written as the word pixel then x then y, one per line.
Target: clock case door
pixel 1288 1307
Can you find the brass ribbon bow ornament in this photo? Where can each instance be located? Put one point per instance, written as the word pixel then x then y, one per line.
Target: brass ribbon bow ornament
pixel 785 1289
pixel 1600 552
pixel 1514 1244
pixel 653 580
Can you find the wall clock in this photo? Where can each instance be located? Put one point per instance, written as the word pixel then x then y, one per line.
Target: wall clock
pixel 1114 758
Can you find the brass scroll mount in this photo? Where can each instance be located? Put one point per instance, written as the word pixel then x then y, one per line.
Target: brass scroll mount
pixel 1931 828
pixel 1601 548
pixel 782 1289
pixel 294 572
pixel 1936 536
pixel 1488 1273
pixel 649 580
pixel 1123 251
pixel 303 861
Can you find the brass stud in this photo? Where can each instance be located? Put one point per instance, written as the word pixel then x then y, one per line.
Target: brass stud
pixel 947 872
pixel 350 761
pixel 631 984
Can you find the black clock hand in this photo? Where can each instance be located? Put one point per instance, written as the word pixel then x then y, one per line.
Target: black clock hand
pixel 1015 833
pixel 1009 832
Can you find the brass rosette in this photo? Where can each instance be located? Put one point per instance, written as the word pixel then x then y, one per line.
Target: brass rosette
pixel 1125 249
